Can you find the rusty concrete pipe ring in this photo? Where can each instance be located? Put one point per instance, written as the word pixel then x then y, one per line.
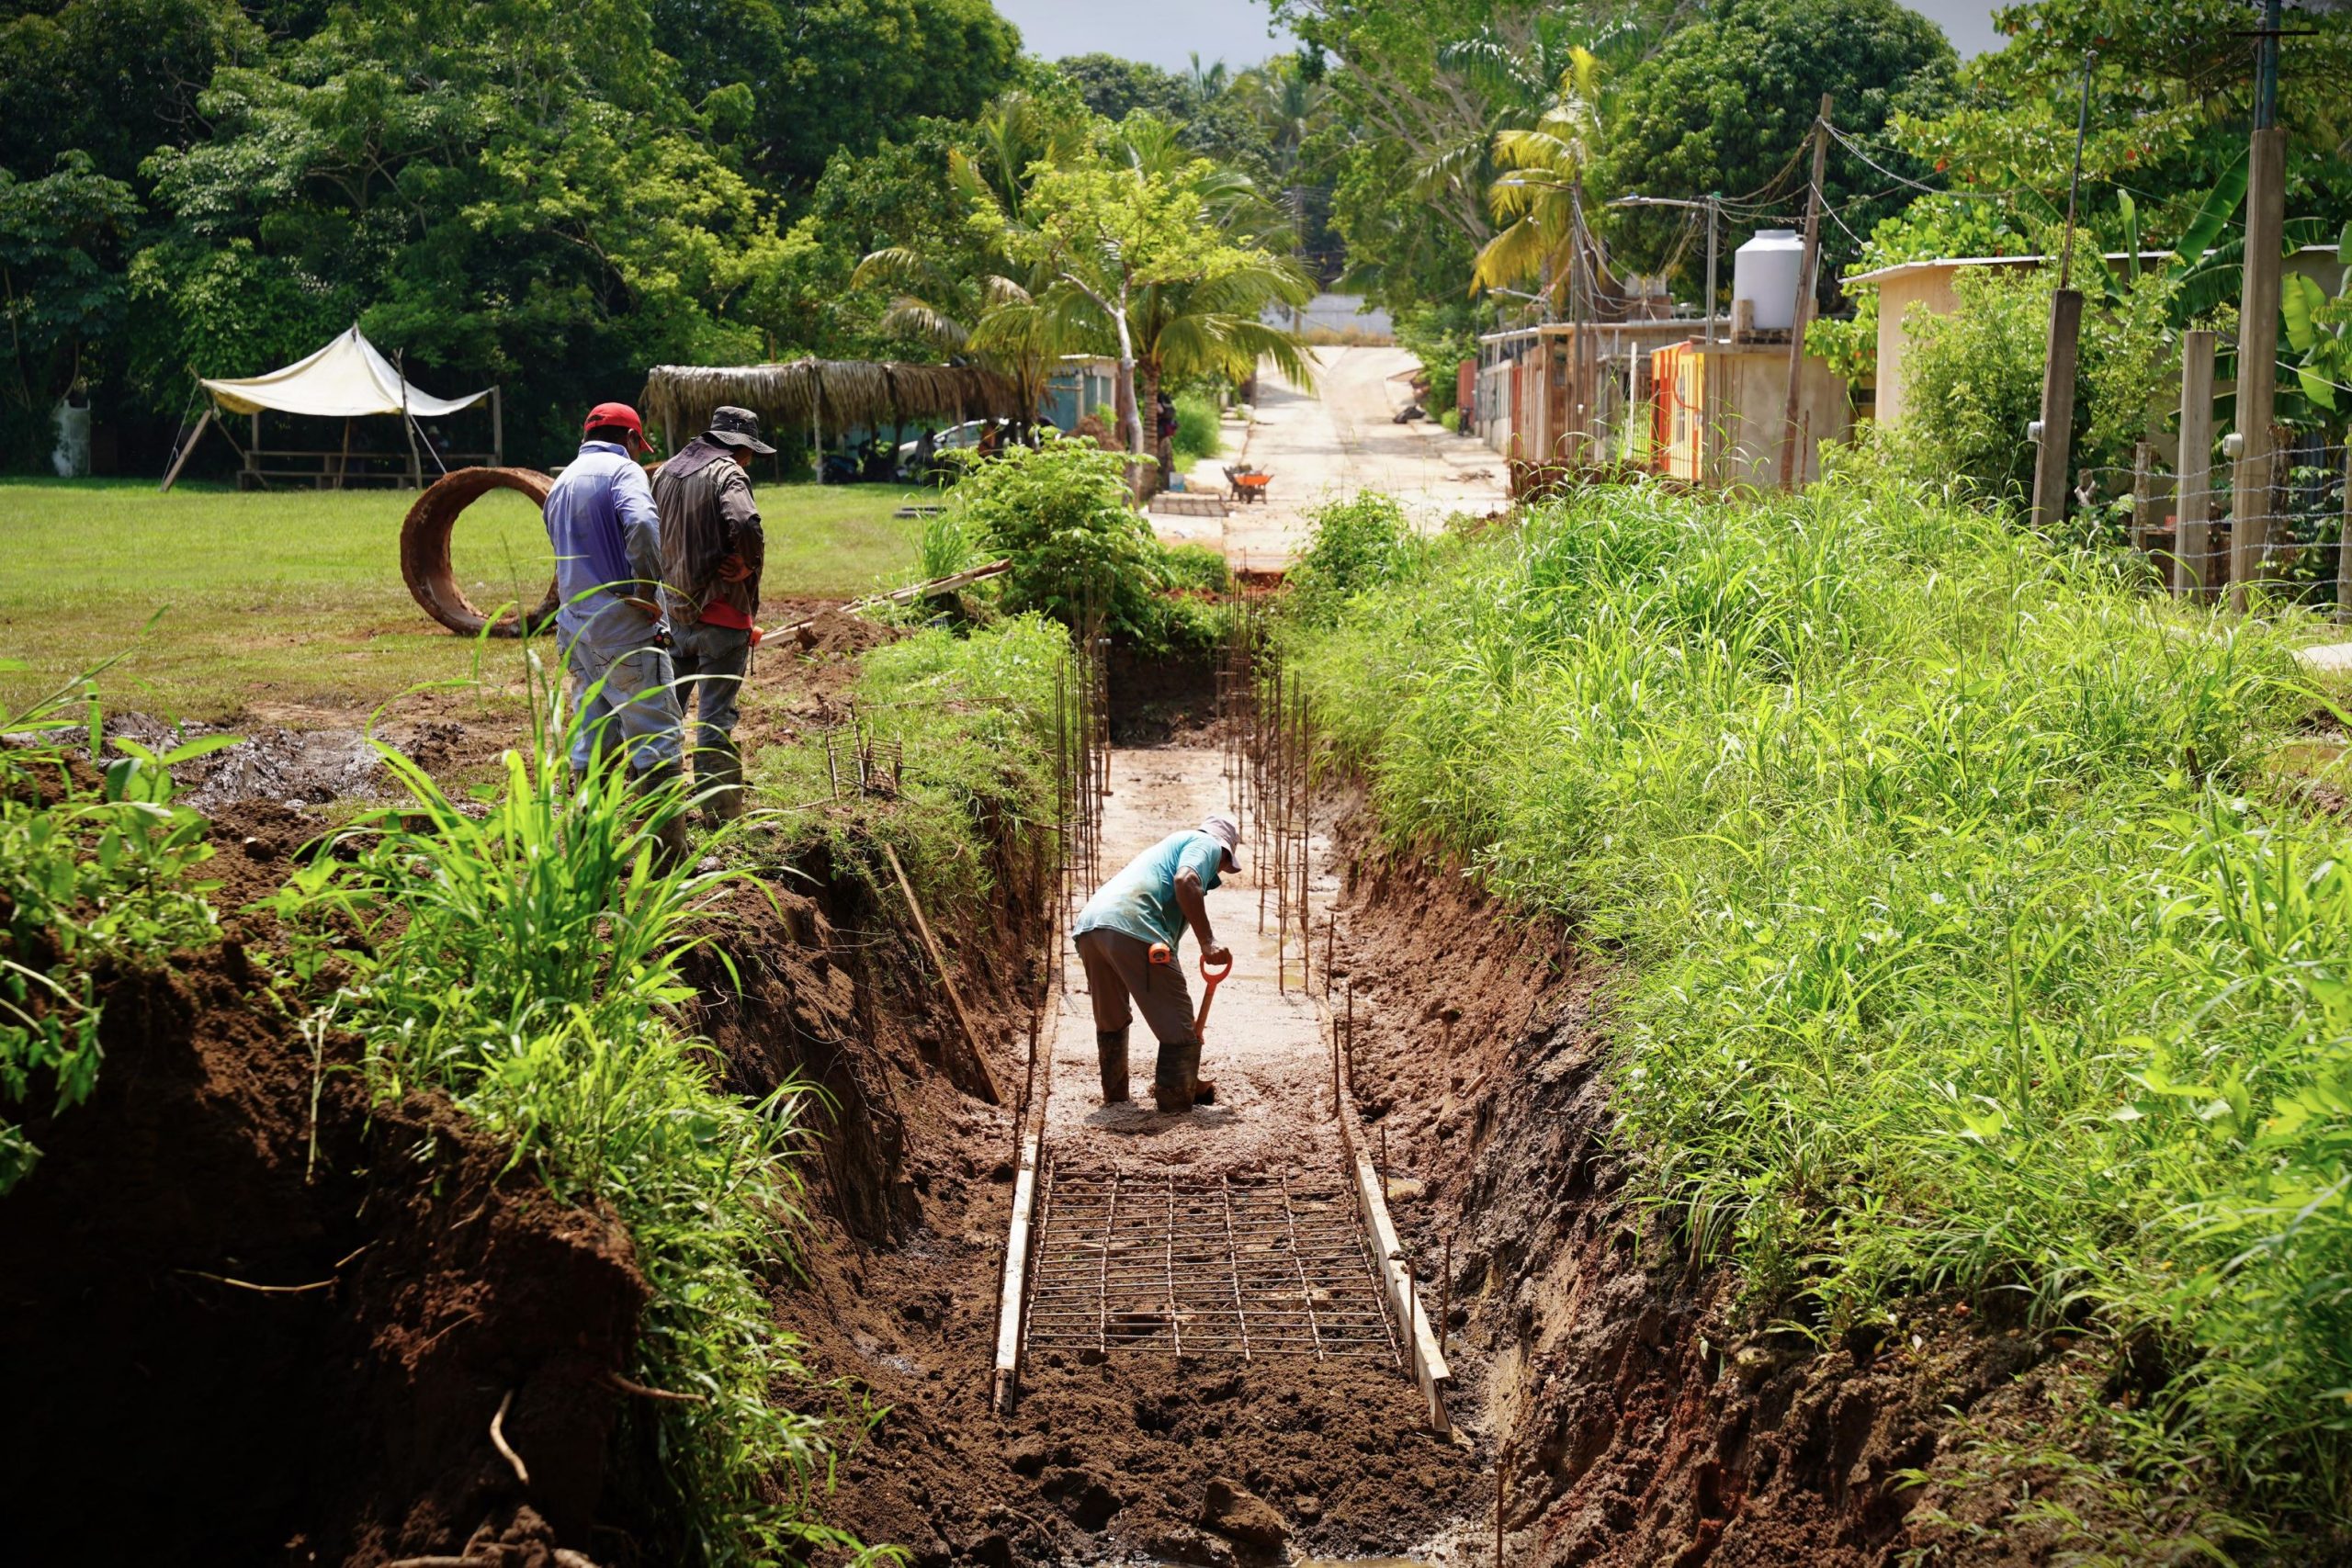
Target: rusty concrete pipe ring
pixel 424 550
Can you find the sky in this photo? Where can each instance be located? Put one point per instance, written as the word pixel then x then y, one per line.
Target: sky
pixel 1169 32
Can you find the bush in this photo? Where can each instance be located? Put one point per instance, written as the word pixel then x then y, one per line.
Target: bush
pixel 1197 435
pixel 95 872
pixel 1974 383
pixel 1357 544
pixel 1958 950
pixel 1080 552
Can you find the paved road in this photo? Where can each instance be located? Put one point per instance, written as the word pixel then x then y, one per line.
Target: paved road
pixel 1342 438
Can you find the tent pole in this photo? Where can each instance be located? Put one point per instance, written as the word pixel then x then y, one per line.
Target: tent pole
pixel 497 429
pixel 415 464
pixel 180 462
pixel 342 463
pixel 252 453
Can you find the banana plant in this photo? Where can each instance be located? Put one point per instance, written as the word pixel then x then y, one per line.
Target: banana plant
pixel 2319 330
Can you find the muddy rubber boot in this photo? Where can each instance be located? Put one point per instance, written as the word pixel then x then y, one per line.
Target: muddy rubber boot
pixel 1111 1050
pixel 719 773
pixel 671 846
pixel 1178 1080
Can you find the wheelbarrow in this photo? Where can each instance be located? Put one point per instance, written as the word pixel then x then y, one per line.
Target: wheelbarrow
pixel 1249 487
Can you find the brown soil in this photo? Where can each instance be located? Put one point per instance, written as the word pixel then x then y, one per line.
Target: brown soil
pixel 171 1408
pixel 1641 1415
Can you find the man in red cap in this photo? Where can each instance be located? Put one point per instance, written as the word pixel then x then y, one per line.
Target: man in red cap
pixel 608 540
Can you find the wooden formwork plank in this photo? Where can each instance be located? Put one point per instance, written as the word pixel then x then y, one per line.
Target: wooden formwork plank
pixel 1016 1279
pixel 1420 1337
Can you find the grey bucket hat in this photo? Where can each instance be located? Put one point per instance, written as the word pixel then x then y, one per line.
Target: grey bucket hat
pixel 1221 827
pixel 738 427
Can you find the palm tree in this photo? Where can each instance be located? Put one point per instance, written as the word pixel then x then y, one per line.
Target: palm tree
pixel 1539 195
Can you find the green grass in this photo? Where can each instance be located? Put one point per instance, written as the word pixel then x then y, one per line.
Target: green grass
pixel 1958 949
pixel 295 599
pixel 972 719
pixel 1198 434
pixel 522 954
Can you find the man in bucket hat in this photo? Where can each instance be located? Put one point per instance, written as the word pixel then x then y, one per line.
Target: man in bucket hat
pixel 1127 937
pixel 712 554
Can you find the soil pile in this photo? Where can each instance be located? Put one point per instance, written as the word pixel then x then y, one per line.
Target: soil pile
pixel 254 1318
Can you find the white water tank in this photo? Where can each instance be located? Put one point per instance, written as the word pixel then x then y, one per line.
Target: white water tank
pixel 1764 272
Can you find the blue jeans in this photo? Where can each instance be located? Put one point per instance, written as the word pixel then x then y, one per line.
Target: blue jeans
pixel 636 707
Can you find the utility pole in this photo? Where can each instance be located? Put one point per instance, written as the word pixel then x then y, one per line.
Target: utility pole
pixel 1714 216
pixel 1789 434
pixel 2266 212
pixel 2057 421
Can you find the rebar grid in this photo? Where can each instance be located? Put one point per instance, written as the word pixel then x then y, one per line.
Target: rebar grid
pixel 1217 1266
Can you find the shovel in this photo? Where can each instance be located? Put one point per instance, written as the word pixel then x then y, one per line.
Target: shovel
pixel 1207 1094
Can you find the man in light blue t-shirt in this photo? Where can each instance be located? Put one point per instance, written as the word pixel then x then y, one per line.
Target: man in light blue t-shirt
pixel 1128 936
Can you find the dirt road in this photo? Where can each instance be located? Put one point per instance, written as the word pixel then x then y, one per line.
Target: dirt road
pixel 1342 438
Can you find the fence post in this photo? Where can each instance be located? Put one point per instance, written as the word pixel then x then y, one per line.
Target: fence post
pixel 2200 574
pixel 2344 544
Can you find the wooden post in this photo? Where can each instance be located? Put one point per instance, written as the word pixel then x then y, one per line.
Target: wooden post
pixel 342 462
pixel 1791 437
pixel 946 981
pixel 253 451
pixel 498 429
pixel 2049 474
pixel 171 476
pixel 2250 500
pixel 2197 575
pixel 2344 545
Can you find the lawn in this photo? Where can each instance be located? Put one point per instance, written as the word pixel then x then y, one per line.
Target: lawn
pixel 286 601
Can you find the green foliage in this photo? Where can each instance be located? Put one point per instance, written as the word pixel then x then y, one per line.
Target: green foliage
pixel 1081 554
pixel 1357 544
pixel 61 237
pixel 973 717
pixel 94 875
pixel 525 960
pixel 1442 337
pixel 1933 226
pixel 1955 951
pixel 1725 105
pixel 1196 427
pixel 1197 568
pixel 1974 381
pixel 948 546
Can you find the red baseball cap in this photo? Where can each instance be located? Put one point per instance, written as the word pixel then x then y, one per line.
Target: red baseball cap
pixel 621 414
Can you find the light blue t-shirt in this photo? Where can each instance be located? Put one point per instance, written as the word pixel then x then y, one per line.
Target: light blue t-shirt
pixel 1141 900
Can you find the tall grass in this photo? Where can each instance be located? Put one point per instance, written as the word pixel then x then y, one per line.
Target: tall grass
pixel 971 720
pixel 1960 949
pixel 524 958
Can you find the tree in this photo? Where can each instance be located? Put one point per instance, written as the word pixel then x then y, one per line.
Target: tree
pixel 1539 192
pixel 795 80
pixel 61 279
pixel 505 194
pixel 1148 243
pixel 1725 106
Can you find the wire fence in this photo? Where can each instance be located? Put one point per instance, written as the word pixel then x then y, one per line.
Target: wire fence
pixel 2295 548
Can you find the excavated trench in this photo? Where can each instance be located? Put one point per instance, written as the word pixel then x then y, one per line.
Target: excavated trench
pixel 342 1415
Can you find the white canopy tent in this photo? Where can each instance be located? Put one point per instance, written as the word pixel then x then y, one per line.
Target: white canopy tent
pixel 347 379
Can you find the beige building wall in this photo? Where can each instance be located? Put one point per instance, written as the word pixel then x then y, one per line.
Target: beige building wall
pixel 1928 286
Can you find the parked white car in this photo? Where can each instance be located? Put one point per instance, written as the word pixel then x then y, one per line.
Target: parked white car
pixel 955 438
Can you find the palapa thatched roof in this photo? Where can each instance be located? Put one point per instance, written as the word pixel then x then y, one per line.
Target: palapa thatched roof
pixel 842 392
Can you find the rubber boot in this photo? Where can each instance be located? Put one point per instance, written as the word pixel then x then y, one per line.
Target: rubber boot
pixel 1111 1050
pixel 1178 1079
pixel 652 783
pixel 719 775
